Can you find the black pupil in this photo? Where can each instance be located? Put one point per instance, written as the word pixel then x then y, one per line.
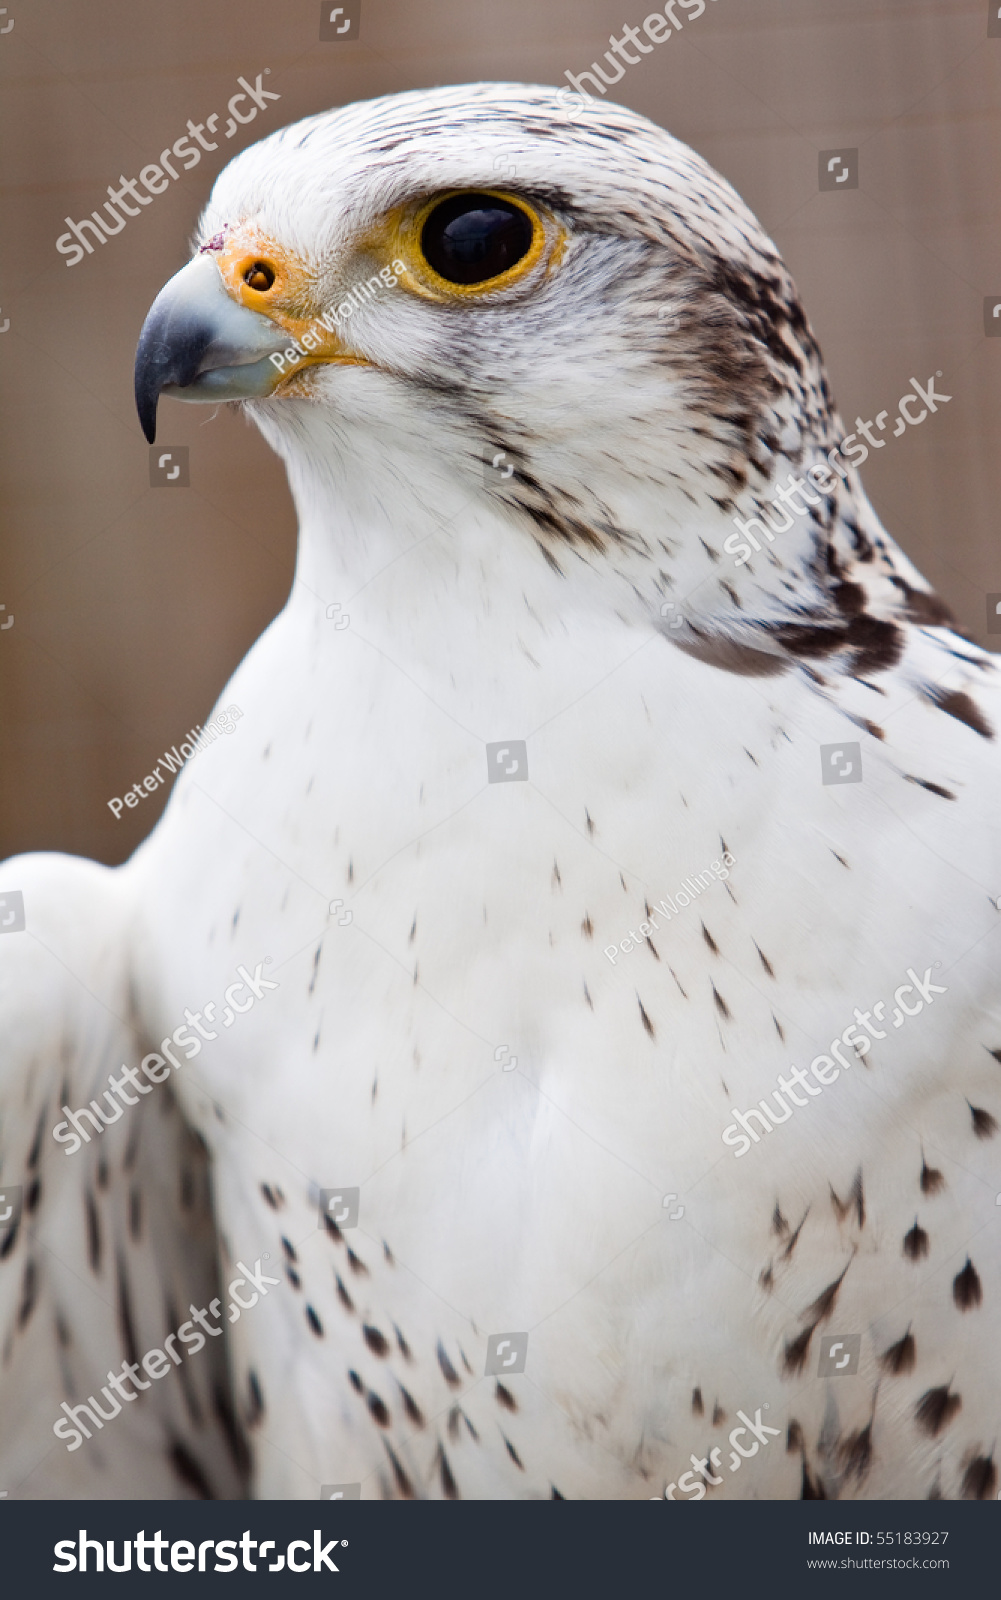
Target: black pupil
pixel 474 237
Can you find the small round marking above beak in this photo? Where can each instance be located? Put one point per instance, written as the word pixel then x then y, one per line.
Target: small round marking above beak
pixel 260 276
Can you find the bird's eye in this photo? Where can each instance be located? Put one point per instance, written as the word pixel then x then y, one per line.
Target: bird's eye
pixel 259 276
pixel 472 238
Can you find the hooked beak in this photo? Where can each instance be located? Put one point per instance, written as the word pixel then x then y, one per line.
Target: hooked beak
pixel 198 343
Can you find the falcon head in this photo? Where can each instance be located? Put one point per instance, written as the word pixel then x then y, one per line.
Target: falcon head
pixel 403 290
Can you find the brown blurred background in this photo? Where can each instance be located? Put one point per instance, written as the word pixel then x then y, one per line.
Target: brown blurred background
pixel 132 605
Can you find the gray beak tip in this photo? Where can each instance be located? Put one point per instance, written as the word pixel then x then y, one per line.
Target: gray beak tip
pixel 146 407
pixel 171 345
pixel 197 339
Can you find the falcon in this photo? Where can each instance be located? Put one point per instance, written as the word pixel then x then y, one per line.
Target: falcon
pixel 495 1124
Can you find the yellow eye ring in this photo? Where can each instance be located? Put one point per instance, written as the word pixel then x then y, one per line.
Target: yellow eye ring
pixel 422 277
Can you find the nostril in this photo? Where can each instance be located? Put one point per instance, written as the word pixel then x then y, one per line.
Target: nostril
pixel 259 276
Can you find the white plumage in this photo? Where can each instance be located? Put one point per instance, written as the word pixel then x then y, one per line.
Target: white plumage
pixel 482 610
